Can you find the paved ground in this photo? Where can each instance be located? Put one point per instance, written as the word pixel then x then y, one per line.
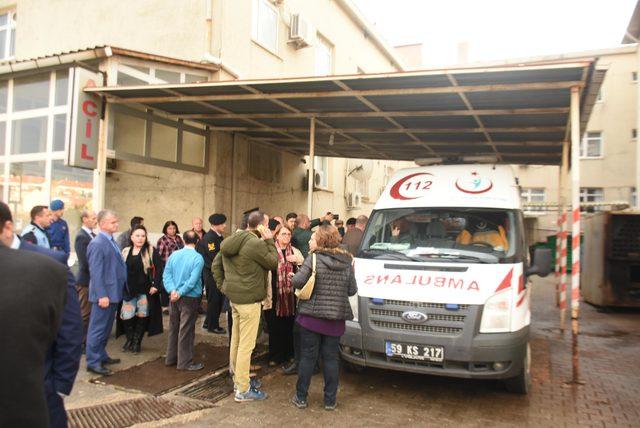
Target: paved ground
pixel 597 385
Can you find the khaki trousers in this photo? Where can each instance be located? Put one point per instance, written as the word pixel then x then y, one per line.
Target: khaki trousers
pixel 246 320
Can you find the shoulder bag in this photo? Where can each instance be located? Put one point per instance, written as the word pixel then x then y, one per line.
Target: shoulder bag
pixel 305 292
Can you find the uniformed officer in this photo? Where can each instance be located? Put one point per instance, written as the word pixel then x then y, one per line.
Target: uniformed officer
pixel 59 229
pixel 209 246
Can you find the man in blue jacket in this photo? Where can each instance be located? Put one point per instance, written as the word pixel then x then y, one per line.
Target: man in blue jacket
pixel 182 278
pixel 58 230
pixel 108 277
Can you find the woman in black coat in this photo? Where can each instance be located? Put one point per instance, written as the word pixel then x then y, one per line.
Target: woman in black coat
pixel 321 318
pixel 141 310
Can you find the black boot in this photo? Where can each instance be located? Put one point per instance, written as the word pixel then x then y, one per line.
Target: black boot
pixel 128 331
pixel 138 334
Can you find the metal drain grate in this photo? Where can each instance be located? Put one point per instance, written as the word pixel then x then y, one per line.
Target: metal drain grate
pixel 211 390
pixel 131 412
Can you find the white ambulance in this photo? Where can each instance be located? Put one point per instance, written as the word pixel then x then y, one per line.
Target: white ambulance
pixel 442 277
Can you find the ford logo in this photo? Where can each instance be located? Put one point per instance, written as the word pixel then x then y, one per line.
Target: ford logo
pixel 414 317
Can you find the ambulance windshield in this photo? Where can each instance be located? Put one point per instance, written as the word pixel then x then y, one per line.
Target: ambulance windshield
pixel 448 234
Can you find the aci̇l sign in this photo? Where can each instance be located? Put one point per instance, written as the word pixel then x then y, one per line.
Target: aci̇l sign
pixel 84 123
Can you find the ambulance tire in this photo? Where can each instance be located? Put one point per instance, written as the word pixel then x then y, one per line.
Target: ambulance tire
pixel 521 383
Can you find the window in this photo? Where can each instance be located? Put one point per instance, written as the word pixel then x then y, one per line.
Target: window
pixel 31 92
pixel 591 146
pixel 164 142
pixel 591 194
pixel 129 74
pixel 265 24
pixel 321 169
pixel 8 35
pixel 600 97
pixel 634 195
pixel 324 57
pixel 193 149
pixel 75 187
pixel 532 195
pixel 128 133
pixel 27 185
pixel 634 134
pixel 29 136
pixel 634 76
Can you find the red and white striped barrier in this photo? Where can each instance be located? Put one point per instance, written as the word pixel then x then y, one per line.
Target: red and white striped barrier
pixel 575 268
pixel 562 256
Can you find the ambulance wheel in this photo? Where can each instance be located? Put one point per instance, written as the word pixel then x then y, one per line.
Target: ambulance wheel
pixel 521 383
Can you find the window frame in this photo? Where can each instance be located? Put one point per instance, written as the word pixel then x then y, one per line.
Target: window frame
pixel 255 25
pixel 527 194
pixel 587 192
pixel 584 145
pixel 127 67
pixel 9 27
pixel 323 42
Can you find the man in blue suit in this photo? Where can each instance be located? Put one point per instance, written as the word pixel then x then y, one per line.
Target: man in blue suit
pixel 108 277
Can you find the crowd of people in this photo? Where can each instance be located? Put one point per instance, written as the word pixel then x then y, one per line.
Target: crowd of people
pixel 253 275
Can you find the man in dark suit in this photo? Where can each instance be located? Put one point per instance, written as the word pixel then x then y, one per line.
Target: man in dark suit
pixel 84 236
pixel 208 247
pixel 32 300
pixel 63 358
pixel 108 277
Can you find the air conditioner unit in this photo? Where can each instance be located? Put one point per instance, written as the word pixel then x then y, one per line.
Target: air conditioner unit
pixel 300 31
pixel 317 182
pixel 354 200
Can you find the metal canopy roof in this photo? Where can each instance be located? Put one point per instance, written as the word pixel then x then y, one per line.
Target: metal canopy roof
pixel 517 114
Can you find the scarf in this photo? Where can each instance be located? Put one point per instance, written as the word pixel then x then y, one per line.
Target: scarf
pixel 286 301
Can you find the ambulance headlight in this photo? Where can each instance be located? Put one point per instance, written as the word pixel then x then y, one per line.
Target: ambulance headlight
pixel 353 301
pixel 496 315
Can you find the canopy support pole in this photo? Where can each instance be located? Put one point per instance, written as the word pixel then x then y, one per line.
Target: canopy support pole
pixel 575 201
pixel 234 182
pixel 637 201
pixel 561 247
pixel 312 173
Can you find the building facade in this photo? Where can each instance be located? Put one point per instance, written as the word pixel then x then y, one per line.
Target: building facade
pixel 608 147
pixel 160 167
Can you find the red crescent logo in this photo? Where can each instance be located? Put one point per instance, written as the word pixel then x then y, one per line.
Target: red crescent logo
pixel 395 190
pixel 474 192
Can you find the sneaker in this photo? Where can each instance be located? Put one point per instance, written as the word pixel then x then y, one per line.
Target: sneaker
pixel 253 384
pixel 250 395
pixel 330 406
pixel 300 404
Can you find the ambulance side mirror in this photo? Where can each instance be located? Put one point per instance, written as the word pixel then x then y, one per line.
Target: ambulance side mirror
pixel 541 265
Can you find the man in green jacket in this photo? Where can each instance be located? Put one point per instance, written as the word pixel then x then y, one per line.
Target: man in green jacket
pixel 240 271
pixel 302 233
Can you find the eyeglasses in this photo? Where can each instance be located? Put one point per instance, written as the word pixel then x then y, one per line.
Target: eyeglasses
pixel 284 234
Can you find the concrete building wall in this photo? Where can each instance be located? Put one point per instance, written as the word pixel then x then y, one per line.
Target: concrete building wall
pixel 175 29
pixel 233 42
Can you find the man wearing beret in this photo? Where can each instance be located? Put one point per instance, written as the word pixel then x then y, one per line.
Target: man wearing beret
pixel 208 247
pixel 58 231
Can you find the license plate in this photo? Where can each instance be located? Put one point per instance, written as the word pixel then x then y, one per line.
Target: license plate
pixel 415 352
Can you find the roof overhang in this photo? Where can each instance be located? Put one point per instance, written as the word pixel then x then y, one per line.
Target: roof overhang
pixel 93 54
pixel 517 113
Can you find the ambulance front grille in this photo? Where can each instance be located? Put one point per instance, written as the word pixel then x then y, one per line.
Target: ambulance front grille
pixel 407 304
pixel 438 330
pixel 433 317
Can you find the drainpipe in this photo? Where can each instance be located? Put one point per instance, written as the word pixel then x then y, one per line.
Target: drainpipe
pixel 234 185
pixel 208 56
